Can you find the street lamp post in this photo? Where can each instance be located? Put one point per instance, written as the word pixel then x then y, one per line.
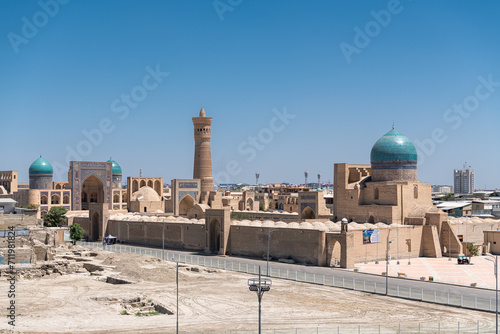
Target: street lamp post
pixel 496 286
pixel 387 266
pixel 259 285
pixel 163 242
pixel 409 249
pixel 177 283
pixel 397 243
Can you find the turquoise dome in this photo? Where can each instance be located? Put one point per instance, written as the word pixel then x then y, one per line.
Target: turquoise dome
pixel 117 170
pixel 41 166
pixel 394 146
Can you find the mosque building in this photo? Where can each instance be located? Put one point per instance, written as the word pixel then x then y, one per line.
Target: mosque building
pixel 387 190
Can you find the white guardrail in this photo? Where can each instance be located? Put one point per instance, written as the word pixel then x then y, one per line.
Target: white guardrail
pixel 443 298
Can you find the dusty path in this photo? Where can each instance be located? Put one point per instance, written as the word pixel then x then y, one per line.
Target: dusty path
pixel 209 300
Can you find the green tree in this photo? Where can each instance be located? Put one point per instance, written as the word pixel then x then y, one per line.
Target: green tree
pixel 261 206
pixel 76 232
pixel 472 250
pixel 30 206
pixel 448 197
pixel 55 216
pixel 240 215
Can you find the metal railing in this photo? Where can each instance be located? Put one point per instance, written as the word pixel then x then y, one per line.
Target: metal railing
pixel 396 328
pixel 395 290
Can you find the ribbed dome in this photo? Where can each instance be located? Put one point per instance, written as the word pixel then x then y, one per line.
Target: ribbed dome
pixel 394 146
pixel 41 166
pixel 117 170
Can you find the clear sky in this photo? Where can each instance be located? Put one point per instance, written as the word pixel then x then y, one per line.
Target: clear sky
pixel 291 85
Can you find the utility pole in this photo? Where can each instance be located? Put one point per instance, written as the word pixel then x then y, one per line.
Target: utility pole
pixel 387 266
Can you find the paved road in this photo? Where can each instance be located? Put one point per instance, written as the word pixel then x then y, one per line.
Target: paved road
pixel 443 293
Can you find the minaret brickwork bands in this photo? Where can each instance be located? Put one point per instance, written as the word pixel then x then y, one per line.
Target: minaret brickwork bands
pixel 202 156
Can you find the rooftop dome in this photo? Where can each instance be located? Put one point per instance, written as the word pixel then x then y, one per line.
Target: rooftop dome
pixel 117 170
pixel 393 146
pixel 146 194
pixel 40 166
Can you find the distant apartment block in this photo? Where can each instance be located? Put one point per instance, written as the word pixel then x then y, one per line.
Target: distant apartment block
pixel 442 189
pixel 463 181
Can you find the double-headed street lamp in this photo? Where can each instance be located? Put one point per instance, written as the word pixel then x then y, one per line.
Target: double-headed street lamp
pixel 495 262
pixel 259 285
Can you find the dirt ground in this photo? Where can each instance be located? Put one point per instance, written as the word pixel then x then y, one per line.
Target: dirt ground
pixel 213 300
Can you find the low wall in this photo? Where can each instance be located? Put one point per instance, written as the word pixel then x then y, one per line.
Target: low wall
pixel 398 247
pixel 262 215
pixel 18 220
pixel 304 246
pixel 177 235
pixel 473 232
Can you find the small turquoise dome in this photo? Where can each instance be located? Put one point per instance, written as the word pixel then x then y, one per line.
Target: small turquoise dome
pixel 41 166
pixel 394 146
pixel 117 170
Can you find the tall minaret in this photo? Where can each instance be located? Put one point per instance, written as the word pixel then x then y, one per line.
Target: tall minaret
pixel 202 157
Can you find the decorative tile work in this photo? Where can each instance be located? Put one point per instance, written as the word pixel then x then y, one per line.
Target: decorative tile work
pixel 393 146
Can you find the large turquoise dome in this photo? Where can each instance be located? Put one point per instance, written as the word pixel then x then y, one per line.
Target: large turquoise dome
pixel 394 147
pixel 117 170
pixel 41 166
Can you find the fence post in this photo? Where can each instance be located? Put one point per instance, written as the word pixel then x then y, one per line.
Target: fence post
pixel 354 284
pixel 435 296
pixel 422 295
pixel 409 292
pixel 323 279
pixel 475 302
pixel 343 282
pixel 398 290
pixel 364 286
pixel 375 291
pixel 287 274
pixel 296 276
pixel 305 276
pixel 461 300
pixel 247 267
pixel 458 326
pixel 314 278
pixel 448 298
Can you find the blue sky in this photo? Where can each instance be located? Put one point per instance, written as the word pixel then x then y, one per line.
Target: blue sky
pixel 341 72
